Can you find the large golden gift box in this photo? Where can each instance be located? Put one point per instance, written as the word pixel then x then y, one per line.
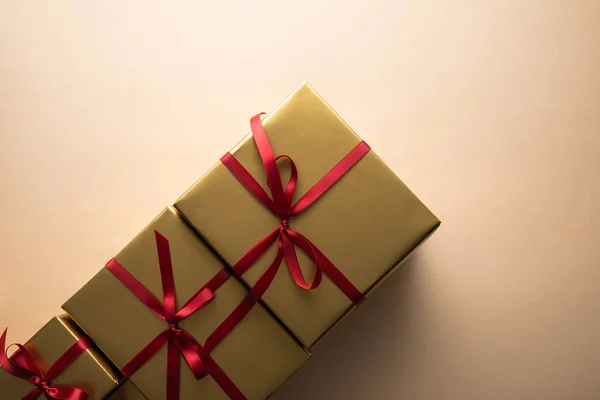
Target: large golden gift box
pixel 258 355
pixel 366 224
pixel 90 372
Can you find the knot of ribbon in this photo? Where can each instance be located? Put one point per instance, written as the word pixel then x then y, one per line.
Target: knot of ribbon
pixel 179 342
pixel 281 205
pixel 22 365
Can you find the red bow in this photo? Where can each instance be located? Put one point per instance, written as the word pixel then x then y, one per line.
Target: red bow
pixel 178 340
pixel 281 205
pixel 22 365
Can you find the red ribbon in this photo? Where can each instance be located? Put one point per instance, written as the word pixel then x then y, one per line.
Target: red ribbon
pixel 179 341
pixel 22 365
pixel 282 206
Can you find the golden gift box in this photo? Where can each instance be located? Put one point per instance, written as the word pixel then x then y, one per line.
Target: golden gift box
pixel 257 356
pixel 365 224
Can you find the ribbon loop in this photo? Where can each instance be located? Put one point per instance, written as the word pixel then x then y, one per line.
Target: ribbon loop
pixel 266 153
pixel 290 188
pixel 281 205
pixel 291 259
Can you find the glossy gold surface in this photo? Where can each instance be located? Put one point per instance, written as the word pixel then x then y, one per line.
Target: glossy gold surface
pixel 366 224
pixel 259 355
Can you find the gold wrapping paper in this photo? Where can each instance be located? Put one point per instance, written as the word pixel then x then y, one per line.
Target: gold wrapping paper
pixel 366 224
pixel 90 372
pixel 127 391
pixel 258 355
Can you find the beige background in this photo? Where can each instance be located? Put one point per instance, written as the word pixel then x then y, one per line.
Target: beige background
pixel 489 111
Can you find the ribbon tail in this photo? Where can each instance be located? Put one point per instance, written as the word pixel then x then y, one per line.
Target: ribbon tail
pixel 173 371
pixel 166 275
pixel 191 351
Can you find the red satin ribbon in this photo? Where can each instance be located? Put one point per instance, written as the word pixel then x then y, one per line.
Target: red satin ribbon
pixel 282 206
pixel 179 341
pixel 22 365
